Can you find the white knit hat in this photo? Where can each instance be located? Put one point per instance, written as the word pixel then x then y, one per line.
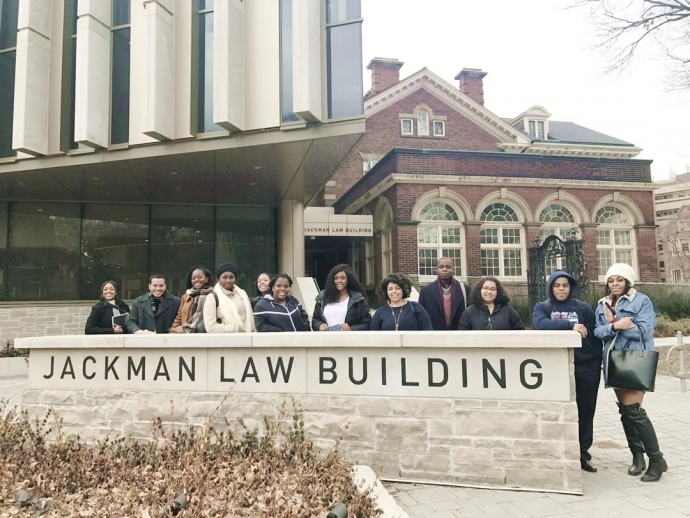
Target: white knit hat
pixel 623 270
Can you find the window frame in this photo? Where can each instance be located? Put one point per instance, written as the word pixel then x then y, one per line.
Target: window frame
pixel 421 127
pixel 439 246
pixel 402 126
pixel 502 247
pixel 443 128
pixel 611 229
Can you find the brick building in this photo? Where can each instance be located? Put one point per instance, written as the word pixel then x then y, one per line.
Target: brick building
pixel 444 176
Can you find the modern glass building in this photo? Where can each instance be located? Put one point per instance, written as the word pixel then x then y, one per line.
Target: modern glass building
pixel 141 137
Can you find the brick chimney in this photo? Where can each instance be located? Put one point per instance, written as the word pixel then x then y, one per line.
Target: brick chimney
pixel 472 83
pixel 385 72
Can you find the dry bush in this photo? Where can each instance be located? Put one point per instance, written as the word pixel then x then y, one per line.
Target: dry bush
pixel 665 327
pixel 224 474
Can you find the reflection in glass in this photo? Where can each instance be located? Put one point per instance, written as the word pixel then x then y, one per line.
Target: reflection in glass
pixel 205 79
pixel 345 93
pixel 121 12
pixel 287 115
pixel 246 237
pixel 343 10
pixel 7 67
pixel 119 123
pixel 180 238
pixel 114 245
pixel 43 251
pixel 9 13
pixel 3 247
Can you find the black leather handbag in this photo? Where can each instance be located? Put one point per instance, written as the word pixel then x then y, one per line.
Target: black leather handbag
pixel 634 369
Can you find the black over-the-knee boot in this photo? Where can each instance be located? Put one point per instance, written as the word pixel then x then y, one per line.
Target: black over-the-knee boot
pixel 634 443
pixel 645 431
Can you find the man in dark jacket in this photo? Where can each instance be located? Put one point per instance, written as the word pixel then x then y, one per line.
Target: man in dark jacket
pixel 154 312
pixel 563 312
pixel 444 299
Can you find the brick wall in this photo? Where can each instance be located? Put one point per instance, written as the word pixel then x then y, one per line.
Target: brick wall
pixel 24 321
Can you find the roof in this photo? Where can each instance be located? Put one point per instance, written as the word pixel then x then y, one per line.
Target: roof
pixel 570 132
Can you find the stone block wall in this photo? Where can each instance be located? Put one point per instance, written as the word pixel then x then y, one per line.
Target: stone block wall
pixel 465 441
pixel 22 321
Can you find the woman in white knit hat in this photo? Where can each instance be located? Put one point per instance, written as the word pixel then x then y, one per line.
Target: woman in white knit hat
pixel 625 317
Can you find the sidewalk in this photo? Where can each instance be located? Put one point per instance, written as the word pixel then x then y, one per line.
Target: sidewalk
pixel 11 388
pixel 609 493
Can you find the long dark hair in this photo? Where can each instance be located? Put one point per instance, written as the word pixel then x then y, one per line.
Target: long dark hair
pixel 399 279
pixel 258 293
pixel 353 283
pixel 207 273
pixel 476 293
pixel 118 299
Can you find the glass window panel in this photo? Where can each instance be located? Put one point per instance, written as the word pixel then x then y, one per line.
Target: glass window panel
pixel 7 68
pixel 490 263
pixel 552 264
pixel 603 237
pixel 512 263
pixel 119 123
pixel 121 12
pixel 685 248
pixel 73 92
pixel 345 81
pixel 246 237
pixel 343 10
pixel 624 256
pixel 180 238
pixel 451 235
pixel 532 131
pixel 540 130
pixel 499 212
pixel 3 247
pixel 437 210
pixel 205 79
pixel 9 12
pixel 427 261
pixel 488 236
pixel 611 215
pixel 423 123
pixel 605 260
pixel 286 61
pixel 621 237
pixel 44 251
pixel 439 129
pixel 115 246
pixel 427 235
pixel 456 255
pixel 556 213
pixel 407 126
pixel 511 236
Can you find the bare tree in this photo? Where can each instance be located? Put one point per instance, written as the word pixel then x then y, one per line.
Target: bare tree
pixel 624 26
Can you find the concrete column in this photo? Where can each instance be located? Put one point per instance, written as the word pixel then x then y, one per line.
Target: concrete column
pixel 306 59
pixel 291 238
pixel 228 64
pixel 158 73
pixel 32 79
pixel 92 106
pixel 183 69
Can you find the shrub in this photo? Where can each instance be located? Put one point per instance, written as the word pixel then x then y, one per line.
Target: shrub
pixel 8 350
pixel 665 327
pixel 223 474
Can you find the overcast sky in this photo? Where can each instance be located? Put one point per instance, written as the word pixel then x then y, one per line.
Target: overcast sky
pixel 536 52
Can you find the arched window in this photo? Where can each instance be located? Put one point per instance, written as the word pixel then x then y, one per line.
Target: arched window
pixel 501 241
pixel 615 238
pixel 439 234
pixel 557 220
pixel 423 123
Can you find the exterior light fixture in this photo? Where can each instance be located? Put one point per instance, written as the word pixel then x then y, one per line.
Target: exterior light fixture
pixel 339 511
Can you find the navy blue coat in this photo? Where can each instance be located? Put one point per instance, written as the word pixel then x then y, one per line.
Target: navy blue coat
pixel 430 299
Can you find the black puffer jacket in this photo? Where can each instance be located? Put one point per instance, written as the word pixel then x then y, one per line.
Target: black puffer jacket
pixel 100 321
pixel 271 317
pixel 504 318
pixel 358 316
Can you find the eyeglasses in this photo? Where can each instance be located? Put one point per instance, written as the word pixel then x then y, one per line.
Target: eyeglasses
pixel 484 288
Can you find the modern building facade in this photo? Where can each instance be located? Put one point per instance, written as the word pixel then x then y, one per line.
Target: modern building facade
pixel 442 175
pixel 672 208
pixel 147 136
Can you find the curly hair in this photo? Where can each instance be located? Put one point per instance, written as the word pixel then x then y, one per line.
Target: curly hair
pixel 118 299
pixel 400 279
pixel 207 273
pixel 353 284
pixel 277 276
pixel 476 293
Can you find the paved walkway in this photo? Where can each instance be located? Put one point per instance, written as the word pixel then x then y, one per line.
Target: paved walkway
pixel 609 493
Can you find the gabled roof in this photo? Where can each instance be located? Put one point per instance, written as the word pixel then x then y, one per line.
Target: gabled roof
pixel 435 85
pixel 564 131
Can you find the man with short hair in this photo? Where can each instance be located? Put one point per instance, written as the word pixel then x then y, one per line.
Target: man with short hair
pixel 154 312
pixel 562 312
pixel 444 299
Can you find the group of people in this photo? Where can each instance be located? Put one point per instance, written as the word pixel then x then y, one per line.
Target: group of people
pixel 623 318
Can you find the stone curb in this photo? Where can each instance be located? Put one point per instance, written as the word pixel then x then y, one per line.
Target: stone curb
pixel 365 478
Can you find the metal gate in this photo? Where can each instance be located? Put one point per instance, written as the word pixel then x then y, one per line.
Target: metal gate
pixel 571 253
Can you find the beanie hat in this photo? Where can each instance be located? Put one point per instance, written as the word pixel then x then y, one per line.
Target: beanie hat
pixel 623 270
pixel 227 267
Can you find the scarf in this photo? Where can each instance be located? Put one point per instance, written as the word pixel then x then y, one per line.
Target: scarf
pixel 196 312
pixel 447 302
pixel 229 310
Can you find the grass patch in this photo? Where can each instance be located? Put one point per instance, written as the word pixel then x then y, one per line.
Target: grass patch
pixel 221 473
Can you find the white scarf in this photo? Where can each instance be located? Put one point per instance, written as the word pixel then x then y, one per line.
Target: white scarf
pixel 229 310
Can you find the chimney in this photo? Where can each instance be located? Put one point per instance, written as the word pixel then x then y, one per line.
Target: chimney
pixel 385 72
pixel 472 83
